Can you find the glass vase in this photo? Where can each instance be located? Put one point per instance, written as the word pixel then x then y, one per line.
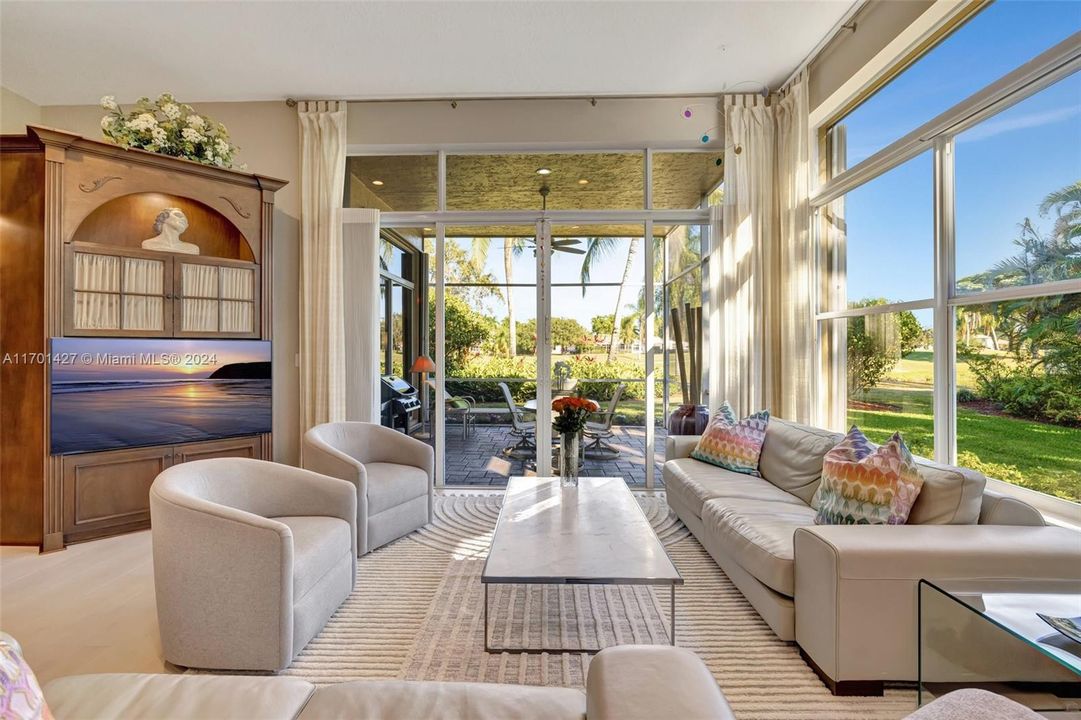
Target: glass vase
pixel 568 459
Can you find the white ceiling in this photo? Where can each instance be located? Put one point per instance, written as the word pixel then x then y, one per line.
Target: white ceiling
pixel 56 53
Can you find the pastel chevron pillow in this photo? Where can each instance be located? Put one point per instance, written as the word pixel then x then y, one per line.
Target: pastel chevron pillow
pixel 733 444
pixel 864 484
pixel 20 694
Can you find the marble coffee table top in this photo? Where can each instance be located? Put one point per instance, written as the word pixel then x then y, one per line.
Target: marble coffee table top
pixel 595 533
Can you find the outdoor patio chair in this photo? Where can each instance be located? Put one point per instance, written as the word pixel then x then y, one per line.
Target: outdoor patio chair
pixel 459 406
pixel 526 446
pixel 599 432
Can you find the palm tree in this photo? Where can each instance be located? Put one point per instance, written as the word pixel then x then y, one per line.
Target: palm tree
pixel 512 248
pixel 1067 206
pixel 597 248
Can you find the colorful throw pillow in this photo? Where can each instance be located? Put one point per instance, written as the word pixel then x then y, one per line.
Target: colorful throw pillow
pixel 733 444
pixel 864 484
pixel 20 694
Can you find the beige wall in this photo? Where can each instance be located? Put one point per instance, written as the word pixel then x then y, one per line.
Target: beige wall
pixel 536 124
pixel 16 112
pixel 877 24
pixel 267 135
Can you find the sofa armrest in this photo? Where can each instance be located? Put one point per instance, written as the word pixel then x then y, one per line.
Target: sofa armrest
pixel 856 585
pixel 632 682
pixel 680 446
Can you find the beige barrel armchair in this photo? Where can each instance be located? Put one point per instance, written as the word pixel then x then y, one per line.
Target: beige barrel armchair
pixel 251 558
pixel 393 475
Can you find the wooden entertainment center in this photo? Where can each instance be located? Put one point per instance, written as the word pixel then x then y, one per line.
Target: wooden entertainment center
pixel 73 215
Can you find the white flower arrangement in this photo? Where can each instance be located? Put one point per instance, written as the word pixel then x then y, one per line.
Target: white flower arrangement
pixel 170 128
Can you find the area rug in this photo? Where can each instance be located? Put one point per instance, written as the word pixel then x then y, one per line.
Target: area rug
pixel 417 613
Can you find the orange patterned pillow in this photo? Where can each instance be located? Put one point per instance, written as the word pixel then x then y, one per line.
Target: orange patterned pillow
pixel 864 484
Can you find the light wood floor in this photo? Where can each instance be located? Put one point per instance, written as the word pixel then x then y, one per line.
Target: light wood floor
pixel 89 608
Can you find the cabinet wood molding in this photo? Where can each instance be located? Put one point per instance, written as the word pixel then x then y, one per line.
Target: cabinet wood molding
pixel 67 196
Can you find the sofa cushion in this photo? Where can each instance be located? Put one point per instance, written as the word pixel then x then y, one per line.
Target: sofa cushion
pixel 390 485
pixel 733 444
pixel 757 534
pixel 696 482
pixel 443 700
pixel 950 495
pixel 178 697
pixel 318 544
pixel 792 456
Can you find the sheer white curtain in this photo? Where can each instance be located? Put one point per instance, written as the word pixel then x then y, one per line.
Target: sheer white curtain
pixel 361 271
pixel 742 258
pixel 760 269
pixel 793 314
pixel 322 334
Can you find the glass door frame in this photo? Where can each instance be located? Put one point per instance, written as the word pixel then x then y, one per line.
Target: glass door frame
pixel 542 223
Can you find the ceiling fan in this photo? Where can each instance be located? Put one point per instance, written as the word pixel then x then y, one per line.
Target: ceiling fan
pixel 558 245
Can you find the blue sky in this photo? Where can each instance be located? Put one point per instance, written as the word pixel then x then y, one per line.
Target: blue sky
pixel 1004 166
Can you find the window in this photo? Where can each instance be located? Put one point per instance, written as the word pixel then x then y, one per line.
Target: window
pixel 1018 376
pixel 682 180
pixel 881 239
pixel 1002 37
pixel 400 332
pixel 392 182
pixel 995 387
pixel 685 248
pixel 889 376
pixel 1015 175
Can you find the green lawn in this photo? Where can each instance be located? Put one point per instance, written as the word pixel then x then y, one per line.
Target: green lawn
pixel 1035 455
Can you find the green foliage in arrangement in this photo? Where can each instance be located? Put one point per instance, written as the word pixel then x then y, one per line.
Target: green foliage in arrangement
pixel 168 127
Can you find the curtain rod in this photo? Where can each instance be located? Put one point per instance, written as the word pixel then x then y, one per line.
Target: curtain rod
pixel 845 23
pixel 593 99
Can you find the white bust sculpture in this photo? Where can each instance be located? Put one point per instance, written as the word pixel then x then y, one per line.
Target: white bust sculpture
pixel 168 226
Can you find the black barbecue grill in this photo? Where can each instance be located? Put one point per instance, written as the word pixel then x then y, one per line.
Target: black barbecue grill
pixel 399 403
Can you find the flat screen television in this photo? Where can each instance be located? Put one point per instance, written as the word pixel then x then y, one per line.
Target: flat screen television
pixel 111 393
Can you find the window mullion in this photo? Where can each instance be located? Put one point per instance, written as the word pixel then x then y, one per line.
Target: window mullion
pixel 944 392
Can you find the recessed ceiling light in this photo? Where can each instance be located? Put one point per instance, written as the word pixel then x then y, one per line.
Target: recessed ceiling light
pixel 427 229
pixel 377 182
pixel 583 181
pixel 544 171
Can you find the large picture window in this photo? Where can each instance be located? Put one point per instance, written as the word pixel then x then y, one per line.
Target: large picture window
pixel 950 264
pixel 998 39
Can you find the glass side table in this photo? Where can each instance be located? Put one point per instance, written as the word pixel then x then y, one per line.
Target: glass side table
pixel 986 633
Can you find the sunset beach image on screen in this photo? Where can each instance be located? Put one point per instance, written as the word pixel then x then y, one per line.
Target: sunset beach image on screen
pixel 112 393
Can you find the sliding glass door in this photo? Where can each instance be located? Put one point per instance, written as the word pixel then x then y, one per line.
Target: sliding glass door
pixel 525 314
pixel 489 352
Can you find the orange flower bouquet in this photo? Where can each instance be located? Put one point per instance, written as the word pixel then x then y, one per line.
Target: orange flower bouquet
pixel 573 412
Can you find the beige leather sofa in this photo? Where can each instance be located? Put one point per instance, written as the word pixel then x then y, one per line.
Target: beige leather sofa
pixel 251 558
pixel 847 594
pixel 628 682
pixel 394 476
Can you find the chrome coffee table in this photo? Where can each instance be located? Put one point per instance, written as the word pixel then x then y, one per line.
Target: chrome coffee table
pixel 593 534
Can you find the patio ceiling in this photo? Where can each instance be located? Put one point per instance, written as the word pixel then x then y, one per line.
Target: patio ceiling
pixel 612 181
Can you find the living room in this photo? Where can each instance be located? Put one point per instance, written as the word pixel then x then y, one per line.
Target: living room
pixel 546 368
